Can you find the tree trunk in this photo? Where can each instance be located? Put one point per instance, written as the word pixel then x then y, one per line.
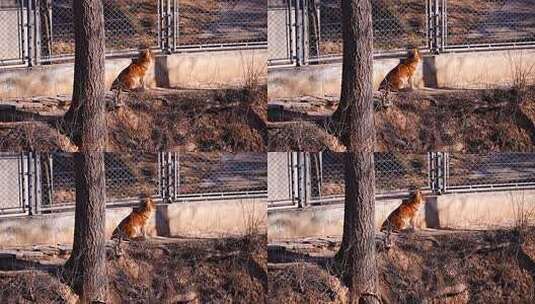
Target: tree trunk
pixel 85 121
pixel 356 257
pixel 356 129
pixel 354 118
pixel 86 267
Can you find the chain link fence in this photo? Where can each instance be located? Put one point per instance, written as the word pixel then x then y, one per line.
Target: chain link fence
pixel 397 25
pixel 499 170
pixel 314 27
pixel 42 31
pixel 43 183
pixel 127 177
pixel 219 22
pixel 129 25
pixel 393 173
pixel 482 23
pixel 212 173
pixel 318 178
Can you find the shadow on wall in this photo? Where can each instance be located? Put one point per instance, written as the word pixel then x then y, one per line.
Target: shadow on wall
pixel 429 72
pixel 432 219
pixel 162 220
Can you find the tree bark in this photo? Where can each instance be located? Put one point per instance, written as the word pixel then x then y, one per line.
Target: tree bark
pixel 354 119
pixel 356 257
pixel 86 267
pixel 85 121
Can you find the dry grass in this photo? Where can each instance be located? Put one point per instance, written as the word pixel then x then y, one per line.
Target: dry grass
pixel 453 267
pixel 228 270
pixel 302 136
pixel 212 120
pixel 33 136
pixel 231 119
pixel 469 121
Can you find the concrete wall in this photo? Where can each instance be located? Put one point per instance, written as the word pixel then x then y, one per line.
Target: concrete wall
pixel 454 70
pixel 188 70
pixel 193 219
pixel 324 220
pixel 484 210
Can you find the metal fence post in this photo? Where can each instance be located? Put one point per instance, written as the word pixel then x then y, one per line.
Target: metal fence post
pixel 445 171
pixel 175 175
pixel 307 177
pixel 30 27
pixel 166 16
pixel 299 32
pixel 31 178
pixel 438 168
pixel 305 32
pixel 168 22
pixel 37 178
pixel 166 176
pixel 161 174
pixel 23 181
pixel 431 170
pixel 436 25
pixel 295 178
pixel 29 184
pixel 175 24
pixel 302 178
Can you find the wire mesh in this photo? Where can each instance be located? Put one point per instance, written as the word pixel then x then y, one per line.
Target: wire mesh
pixel 487 22
pixel 128 176
pixel 396 25
pixel 214 173
pixel 499 169
pixel 394 172
pixel 12 32
pixel 11 184
pixel 129 25
pixel 212 22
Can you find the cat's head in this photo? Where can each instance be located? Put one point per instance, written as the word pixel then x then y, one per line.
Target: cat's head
pixel 418 196
pixel 146 56
pixel 149 203
pixel 415 54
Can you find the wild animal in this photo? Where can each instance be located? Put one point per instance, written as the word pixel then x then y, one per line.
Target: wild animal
pixel 134 225
pixel 132 77
pixel 402 74
pixel 404 214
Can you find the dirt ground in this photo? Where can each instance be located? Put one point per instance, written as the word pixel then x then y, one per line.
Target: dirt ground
pixel 227 270
pixel 469 121
pixel 424 267
pixel 229 119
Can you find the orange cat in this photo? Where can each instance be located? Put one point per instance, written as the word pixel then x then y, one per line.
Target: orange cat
pixel 397 220
pixel 132 76
pixel 402 73
pixel 135 223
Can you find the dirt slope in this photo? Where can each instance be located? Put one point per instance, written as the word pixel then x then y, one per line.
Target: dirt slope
pixel 425 267
pixel 158 271
pixel 467 121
